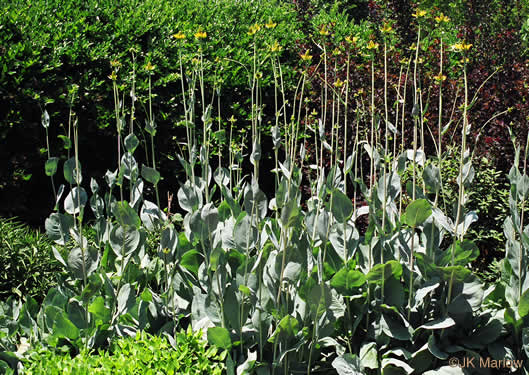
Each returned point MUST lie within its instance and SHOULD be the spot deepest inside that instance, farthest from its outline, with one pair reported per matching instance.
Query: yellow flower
(115, 64)
(439, 78)
(336, 52)
(149, 67)
(419, 13)
(442, 18)
(232, 119)
(458, 47)
(200, 34)
(113, 76)
(404, 61)
(270, 24)
(324, 31)
(412, 47)
(275, 47)
(258, 75)
(386, 29)
(179, 36)
(338, 83)
(306, 56)
(351, 39)
(254, 29)
(464, 60)
(372, 45)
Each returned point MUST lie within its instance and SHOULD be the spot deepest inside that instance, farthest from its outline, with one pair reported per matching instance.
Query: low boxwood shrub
(27, 265)
(186, 353)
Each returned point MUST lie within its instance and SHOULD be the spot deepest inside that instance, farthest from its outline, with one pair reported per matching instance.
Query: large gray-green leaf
(432, 178)
(438, 324)
(417, 212)
(341, 206)
(75, 200)
(348, 364)
(255, 202)
(189, 197)
(71, 174)
(523, 306)
(386, 362)
(76, 264)
(369, 355)
(151, 216)
(434, 348)
(126, 299)
(347, 281)
(126, 215)
(129, 166)
(210, 217)
(244, 233)
(124, 240)
(58, 227)
(150, 174)
(219, 337)
(50, 168)
(131, 143)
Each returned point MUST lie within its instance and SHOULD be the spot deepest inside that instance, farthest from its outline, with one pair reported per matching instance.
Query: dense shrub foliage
(27, 266)
(186, 353)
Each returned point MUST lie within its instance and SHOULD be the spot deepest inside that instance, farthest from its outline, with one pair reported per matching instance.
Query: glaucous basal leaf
(75, 200)
(219, 337)
(348, 364)
(63, 327)
(189, 197)
(446, 370)
(80, 268)
(136, 194)
(442, 323)
(58, 227)
(244, 233)
(125, 215)
(255, 156)
(50, 168)
(124, 240)
(341, 206)
(126, 299)
(368, 355)
(222, 177)
(386, 270)
(417, 212)
(131, 143)
(100, 313)
(129, 166)
(255, 202)
(210, 217)
(347, 281)
(97, 205)
(432, 178)
(71, 174)
(150, 174)
(523, 306)
(151, 216)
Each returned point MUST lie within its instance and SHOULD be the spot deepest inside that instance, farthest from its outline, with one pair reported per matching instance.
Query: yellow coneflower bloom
(439, 78)
(372, 45)
(113, 76)
(275, 47)
(351, 39)
(324, 31)
(115, 64)
(419, 13)
(200, 34)
(442, 18)
(254, 29)
(386, 29)
(458, 47)
(149, 67)
(306, 56)
(179, 36)
(338, 83)
(270, 24)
